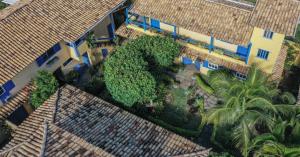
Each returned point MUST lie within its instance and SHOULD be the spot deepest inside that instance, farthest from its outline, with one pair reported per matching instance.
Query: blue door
(104, 53)
(198, 65)
(155, 24)
(187, 61)
(85, 59)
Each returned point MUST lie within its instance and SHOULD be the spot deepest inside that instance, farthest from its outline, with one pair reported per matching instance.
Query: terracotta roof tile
(31, 27)
(228, 22)
(81, 123)
(202, 16)
(279, 16)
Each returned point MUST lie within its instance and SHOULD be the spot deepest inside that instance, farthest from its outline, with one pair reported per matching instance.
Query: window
(263, 54)
(67, 62)
(47, 55)
(213, 66)
(2, 90)
(240, 76)
(268, 34)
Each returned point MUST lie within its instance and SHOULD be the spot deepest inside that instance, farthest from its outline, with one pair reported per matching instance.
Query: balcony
(145, 25)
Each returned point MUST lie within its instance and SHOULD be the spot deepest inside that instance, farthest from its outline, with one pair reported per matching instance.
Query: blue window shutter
(41, 60)
(104, 53)
(242, 51)
(56, 47)
(187, 61)
(8, 86)
(205, 64)
(155, 23)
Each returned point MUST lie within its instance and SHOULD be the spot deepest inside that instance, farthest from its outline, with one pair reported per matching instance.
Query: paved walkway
(187, 79)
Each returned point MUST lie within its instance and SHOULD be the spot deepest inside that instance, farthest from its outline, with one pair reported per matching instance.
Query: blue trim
(175, 32)
(126, 17)
(211, 46)
(249, 51)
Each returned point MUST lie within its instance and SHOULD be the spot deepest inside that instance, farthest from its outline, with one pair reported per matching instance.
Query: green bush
(46, 85)
(128, 70)
(223, 154)
(2, 5)
(72, 77)
(5, 133)
(95, 85)
(203, 85)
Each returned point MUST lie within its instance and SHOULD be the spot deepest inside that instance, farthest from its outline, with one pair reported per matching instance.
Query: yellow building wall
(26, 75)
(199, 37)
(273, 45)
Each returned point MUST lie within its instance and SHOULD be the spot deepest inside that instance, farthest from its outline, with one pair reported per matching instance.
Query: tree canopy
(127, 71)
(46, 85)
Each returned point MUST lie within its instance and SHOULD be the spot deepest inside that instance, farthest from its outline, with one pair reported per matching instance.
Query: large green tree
(46, 85)
(128, 71)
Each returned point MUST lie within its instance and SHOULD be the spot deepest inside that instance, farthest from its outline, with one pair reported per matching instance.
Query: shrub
(203, 85)
(127, 71)
(72, 77)
(46, 85)
(95, 85)
(5, 133)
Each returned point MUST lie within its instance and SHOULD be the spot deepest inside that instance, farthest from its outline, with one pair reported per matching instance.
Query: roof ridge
(30, 138)
(13, 8)
(203, 152)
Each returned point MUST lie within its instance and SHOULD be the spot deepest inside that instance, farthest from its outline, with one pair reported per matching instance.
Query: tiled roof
(79, 123)
(31, 27)
(229, 23)
(15, 102)
(279, 16)
(279, 65)
(202, 16)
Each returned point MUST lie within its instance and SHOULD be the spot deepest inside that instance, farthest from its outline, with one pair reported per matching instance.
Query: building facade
(221, 35)
(47, 35)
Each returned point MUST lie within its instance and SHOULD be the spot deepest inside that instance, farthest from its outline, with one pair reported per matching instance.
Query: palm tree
(247, 106)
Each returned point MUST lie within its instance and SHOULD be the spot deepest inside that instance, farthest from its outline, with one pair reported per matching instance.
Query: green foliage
(5, 133)
(203, 85)
(2, 5)
(248, 108)
(95, 85)
(223, 154)
(128, 70)
(178, 130)
(298, 34)
(46, 85)
(91, 41)
(72, 77)
(293, 53)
